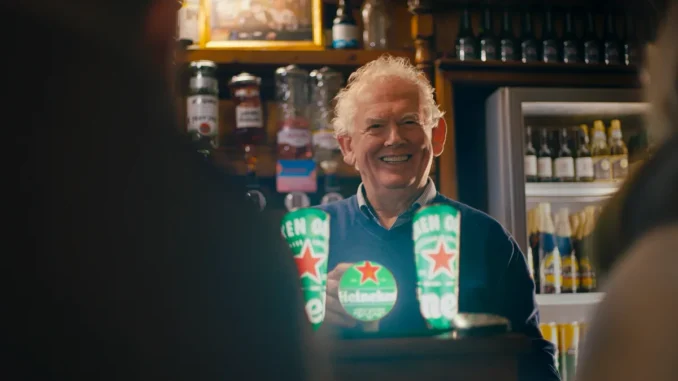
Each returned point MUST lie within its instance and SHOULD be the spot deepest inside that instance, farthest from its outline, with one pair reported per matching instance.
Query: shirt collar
(429, 193)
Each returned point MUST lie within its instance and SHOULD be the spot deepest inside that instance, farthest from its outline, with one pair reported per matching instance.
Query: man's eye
(371, 126)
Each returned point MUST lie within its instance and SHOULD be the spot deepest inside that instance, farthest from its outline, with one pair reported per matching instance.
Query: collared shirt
(427, 196)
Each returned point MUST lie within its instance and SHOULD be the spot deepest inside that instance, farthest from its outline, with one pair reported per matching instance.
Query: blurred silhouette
(127, 256)
(633, 333)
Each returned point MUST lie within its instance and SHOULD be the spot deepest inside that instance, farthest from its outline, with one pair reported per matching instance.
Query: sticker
(368, 291)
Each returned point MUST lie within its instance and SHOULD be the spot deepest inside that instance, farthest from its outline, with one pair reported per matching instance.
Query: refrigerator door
(506, 110)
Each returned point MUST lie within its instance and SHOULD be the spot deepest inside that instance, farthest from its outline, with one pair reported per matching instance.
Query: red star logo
(367, 272)
(307, 263)
(440, 259)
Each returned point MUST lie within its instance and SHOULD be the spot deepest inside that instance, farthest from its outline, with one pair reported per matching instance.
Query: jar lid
(291, 70)
(245, 78)
(203, 63)
(324, 75)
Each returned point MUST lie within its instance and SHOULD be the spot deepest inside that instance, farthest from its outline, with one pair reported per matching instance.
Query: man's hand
(335, 315)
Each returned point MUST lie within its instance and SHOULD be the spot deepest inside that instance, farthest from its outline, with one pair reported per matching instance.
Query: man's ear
(438, 135)
(346, 149)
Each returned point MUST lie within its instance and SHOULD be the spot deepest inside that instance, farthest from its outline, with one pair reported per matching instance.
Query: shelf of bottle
(231, 159)
(571, 190)
(569, 299)
(453, 64)
(303, 57)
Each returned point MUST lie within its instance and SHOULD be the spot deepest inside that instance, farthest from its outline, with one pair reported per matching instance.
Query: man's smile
(395, 159)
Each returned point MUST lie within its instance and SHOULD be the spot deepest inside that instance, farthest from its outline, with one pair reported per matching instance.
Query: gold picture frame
(224, 24)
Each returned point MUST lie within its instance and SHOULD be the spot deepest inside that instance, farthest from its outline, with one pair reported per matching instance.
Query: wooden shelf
(279, 57)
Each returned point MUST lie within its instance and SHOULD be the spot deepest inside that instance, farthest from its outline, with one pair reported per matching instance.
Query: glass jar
(249, 115)
(202, 105)
(294, 134)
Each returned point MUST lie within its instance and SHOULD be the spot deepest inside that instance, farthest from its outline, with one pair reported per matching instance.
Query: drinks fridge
(554, 157)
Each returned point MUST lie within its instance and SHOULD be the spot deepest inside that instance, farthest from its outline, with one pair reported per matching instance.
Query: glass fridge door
(562, 183)
(509, 111)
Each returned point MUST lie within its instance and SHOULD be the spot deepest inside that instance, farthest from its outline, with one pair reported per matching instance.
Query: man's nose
(394, 135)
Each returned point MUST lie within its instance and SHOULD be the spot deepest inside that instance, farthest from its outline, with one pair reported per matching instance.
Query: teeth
(395, 159)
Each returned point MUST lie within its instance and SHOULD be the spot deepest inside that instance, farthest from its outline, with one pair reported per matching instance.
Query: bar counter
(430, 358)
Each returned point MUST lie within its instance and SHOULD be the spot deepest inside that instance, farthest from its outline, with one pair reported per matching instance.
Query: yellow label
(551, 275)
(570, 273)
(619, 165)
(602, 168)
(586, 275)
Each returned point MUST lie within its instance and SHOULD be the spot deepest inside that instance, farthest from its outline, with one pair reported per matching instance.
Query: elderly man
(390, 128)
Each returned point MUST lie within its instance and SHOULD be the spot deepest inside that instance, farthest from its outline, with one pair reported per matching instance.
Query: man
(127, 257)
(389, 128)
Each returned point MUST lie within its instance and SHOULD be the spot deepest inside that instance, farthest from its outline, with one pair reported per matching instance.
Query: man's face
(388, 144)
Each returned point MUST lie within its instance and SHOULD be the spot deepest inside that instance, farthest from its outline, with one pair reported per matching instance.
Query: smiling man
(390, 128)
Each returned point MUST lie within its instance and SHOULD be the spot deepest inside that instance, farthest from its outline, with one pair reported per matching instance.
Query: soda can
(436, 234)
(568, 339)
(307, 232)
(550, 333)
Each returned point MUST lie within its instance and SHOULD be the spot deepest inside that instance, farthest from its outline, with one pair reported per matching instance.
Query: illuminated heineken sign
(368, 291)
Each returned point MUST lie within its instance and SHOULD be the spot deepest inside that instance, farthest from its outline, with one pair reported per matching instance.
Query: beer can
(550, 333)
(568, 339)
(307, 232)
(436, 235)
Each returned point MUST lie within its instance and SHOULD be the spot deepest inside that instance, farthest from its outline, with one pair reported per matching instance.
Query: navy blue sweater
(494, 276)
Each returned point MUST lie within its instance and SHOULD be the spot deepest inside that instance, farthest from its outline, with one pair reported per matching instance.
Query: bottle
(530, 158)
(550, 270)
(550, 44)
(344, 27)
(326, 83)
(528, 41)
(619, 154)
(294, 132)
(202, 106)
(611, 45)
(568, 261)
(376, 23)
(587, 275)
(530, 255)
(600, 152)
(534, 239)
(564, 162)
(187, 19)
(249, 116)
(488, 42)
(544, 158)
(591, 43)
(571, 47)
(631, 55)
(465, 45)
(583, 163)
(507, 43)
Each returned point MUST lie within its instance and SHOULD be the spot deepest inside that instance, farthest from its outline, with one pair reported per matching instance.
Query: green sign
(368, 291)
(435, 232)
(307, 232)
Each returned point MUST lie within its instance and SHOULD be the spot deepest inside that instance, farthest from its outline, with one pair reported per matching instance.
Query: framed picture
(262, 24)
